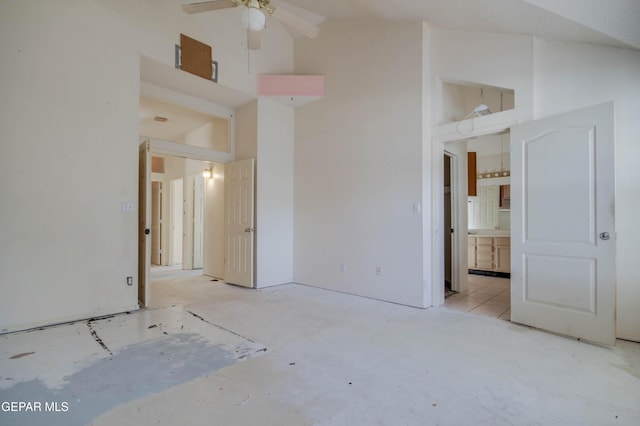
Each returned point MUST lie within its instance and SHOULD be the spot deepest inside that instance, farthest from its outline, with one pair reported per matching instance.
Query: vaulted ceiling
(605, 22)
(613, 23)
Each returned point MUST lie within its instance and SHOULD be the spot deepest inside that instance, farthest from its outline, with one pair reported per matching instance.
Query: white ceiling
(605, 22)
(180, 121)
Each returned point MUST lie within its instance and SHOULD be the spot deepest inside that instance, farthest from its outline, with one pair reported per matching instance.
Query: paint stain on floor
(22, 355)
(133, 372)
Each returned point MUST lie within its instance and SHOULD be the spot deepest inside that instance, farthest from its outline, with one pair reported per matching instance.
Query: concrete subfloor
(211, 353)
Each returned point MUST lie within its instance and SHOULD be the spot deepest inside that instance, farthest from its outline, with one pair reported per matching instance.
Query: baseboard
(490, 273)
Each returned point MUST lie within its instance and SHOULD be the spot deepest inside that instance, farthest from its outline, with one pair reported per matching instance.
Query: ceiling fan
(254, 17)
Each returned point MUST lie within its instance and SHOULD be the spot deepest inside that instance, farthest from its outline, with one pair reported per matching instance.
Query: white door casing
(459, 191)
(144, 223)
(239, 222)
(562, 224)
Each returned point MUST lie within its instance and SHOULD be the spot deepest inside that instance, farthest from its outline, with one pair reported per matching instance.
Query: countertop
(490, 232)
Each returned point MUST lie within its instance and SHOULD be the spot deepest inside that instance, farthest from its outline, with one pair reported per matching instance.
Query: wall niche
(461, 101)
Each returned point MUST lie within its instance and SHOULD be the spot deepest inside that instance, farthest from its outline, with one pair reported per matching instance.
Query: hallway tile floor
(486, 296)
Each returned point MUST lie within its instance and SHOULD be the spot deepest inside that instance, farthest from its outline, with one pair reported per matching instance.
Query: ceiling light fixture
(253, 18)
(481, 109)
(207, 173)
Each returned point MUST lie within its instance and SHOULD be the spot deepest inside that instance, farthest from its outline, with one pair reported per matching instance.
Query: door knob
(605, 236)
(249, 230)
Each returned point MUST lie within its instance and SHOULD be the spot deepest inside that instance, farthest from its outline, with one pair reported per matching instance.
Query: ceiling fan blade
(254, 39)
(296, 23)
(205, 6)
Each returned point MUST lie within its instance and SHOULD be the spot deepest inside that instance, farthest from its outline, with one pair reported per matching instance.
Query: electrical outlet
(129, 280)
(379, 271)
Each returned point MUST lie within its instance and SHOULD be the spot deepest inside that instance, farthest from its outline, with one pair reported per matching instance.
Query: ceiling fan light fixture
(253, 19)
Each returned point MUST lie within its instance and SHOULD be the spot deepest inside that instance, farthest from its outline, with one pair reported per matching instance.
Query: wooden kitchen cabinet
(502, 254)
(472, 170)
(472, 252)
(484, 253)
(487, 253)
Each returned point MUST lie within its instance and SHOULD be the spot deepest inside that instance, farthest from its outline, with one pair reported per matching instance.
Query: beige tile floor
(487, 296)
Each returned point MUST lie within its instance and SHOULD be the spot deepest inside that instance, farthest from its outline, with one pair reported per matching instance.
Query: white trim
(474, 127)
(489, 124)
(188, 151)
(454, 164)
(150, 90)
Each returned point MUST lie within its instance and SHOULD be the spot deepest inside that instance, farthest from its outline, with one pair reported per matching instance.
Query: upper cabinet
(505, 197)
(471, 174)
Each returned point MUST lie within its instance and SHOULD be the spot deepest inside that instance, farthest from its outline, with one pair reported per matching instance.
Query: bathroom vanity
(490, 251)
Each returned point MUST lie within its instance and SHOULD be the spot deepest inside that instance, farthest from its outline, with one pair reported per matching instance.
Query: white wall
(212, 135)
(572, 76)
(158, 25)
(485, 59)
(274, 194)
(552, 78)
(492, 151)
(70, 93)
(69, 99)
(264, 131)
(358, 161)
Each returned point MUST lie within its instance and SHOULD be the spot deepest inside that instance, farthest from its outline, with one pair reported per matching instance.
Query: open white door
(239, 222)
(562, 224)
(157, 217)
(144, 224)
(198, 222)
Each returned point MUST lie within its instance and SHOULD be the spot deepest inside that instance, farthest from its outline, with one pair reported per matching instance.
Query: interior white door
(177, 210)
(562, 224)
(198, 222)
(144, 224)
(239, 222)
(156, 223)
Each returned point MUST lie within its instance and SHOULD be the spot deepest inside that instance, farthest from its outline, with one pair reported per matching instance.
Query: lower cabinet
(490, 253)
(502, 253)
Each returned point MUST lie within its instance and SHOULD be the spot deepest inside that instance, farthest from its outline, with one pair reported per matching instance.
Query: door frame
(160, 147)
(439, 148)
(454, 191)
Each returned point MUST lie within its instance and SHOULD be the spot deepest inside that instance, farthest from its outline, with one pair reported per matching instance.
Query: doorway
(158, 240)
(562, 215)
(448, 226)
(193, 208)
(175, 220)
(482, 234)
